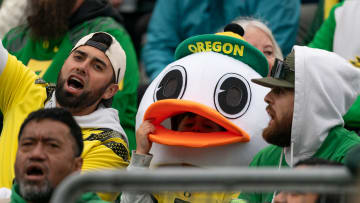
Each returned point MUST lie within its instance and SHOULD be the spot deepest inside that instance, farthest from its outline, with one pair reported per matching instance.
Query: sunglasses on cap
(280, 70)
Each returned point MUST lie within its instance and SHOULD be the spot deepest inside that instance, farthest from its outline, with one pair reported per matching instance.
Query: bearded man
(54, 26)
(310, 93)
(86, 85)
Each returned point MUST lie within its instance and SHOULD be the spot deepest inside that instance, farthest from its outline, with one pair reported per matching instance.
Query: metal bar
(321, 180)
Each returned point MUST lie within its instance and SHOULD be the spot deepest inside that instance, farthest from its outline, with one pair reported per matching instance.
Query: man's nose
(38, 152)
(267, 98)
(83, 67)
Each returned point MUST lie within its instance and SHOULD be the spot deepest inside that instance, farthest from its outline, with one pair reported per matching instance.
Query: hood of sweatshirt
(102, 117)
(326, 85)
(94, 8)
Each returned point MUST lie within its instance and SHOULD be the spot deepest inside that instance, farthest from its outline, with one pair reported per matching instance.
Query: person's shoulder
(17, 31)
(16, 38)
(271, 149)
(107, 138)
(90, 197)
(337, 144)
(98, 24)
(102, 134)
(342, 134)
(106, 22)
(269, 156)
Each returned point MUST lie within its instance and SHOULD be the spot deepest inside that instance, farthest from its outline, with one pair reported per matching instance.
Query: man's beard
(49, 19)
(280, 132)
(36, 193)
(76, 103)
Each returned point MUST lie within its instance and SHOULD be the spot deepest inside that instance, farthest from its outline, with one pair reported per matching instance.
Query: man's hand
(143, 144)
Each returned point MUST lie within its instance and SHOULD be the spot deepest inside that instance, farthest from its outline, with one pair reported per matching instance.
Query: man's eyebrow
(26, 138)
(100, 61)
(46, 139)
(95, 58)
(80, 52)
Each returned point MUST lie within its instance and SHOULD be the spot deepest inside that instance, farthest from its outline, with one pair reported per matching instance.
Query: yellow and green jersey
(199, 197)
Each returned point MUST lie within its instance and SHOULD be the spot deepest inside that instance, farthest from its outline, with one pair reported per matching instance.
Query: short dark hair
(61, 115)
(328, 198)
(313, 161)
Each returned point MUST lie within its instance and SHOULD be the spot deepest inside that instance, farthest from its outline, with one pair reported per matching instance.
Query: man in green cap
(310, 93)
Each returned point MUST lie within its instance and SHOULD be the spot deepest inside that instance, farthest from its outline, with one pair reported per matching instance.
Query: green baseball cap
(228, 43)
(282, 74)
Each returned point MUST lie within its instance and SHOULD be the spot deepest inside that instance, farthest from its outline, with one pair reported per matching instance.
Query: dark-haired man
(51, 31)
(49, 149)
(310, 93)
(86, 85)
(309, 197)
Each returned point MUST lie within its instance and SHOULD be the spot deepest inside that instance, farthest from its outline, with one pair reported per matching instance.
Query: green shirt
(87, 197)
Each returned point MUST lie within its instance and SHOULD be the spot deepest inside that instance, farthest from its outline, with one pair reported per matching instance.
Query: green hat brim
(240, 50)
(272, 82)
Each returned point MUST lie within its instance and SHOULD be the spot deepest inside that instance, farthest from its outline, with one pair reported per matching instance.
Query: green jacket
(324, 39)
(324, 36)
(334, 148)
(47, 57)
(87, 197)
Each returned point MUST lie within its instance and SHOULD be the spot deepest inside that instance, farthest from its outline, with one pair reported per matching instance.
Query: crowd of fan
(70, 85)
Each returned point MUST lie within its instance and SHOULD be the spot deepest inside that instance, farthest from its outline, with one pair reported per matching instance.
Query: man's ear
(110, 91)
(78, 162)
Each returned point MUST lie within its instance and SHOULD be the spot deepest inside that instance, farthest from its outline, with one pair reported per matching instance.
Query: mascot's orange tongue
(163, 109)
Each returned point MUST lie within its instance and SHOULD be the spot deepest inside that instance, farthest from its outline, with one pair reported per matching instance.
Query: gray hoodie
(326, 85)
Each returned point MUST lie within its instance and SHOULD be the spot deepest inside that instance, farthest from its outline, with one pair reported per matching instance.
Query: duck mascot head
(211, 77)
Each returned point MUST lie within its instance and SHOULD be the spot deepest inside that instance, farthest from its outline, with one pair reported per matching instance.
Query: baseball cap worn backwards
(282, 74)
(112, 49)
(229, 43)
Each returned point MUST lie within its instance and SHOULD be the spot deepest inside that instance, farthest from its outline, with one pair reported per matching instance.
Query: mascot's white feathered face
(215, 86)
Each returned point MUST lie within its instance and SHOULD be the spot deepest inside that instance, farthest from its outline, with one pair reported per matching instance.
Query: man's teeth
(73, 78)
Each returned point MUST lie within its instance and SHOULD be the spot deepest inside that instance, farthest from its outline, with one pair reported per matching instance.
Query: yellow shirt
(200, 197)
(19, 95)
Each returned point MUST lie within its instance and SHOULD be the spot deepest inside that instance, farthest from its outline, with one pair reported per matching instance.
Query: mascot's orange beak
(163, 109)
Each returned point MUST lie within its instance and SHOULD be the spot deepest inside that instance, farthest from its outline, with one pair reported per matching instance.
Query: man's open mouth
(34, 173)
(270, 112)
(75, 83)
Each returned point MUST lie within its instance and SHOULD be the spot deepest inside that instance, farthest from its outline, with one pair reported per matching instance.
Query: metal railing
(319, 180)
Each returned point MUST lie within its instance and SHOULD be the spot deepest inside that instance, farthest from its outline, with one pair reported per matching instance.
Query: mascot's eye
(232, 95)
(172, 85)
